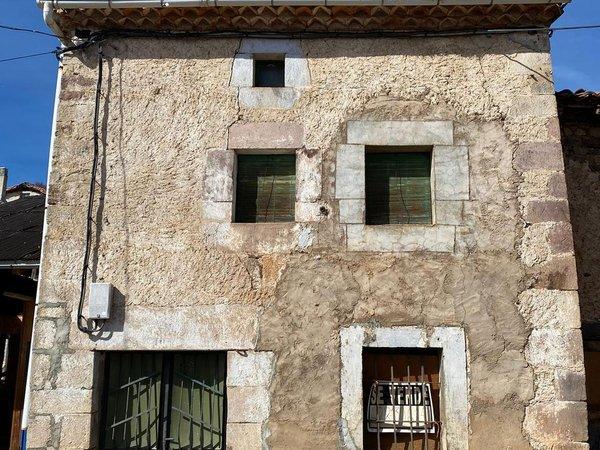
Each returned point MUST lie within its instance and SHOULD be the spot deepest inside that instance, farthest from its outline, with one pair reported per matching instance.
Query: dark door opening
(164, 401)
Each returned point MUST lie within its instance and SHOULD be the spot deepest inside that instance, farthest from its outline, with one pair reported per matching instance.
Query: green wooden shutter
(132, 400)
(198, 401)
(398, 188)
(266, 188)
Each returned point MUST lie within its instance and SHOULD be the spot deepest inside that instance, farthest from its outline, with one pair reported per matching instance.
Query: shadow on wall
(191, 48)
(580, 131)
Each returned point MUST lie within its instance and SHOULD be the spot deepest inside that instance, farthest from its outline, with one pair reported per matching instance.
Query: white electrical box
(100, 300)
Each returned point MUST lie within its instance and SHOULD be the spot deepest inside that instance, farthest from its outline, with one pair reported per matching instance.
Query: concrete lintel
(453, 374)
(400, 133)
(266, 135)
(266, 97)
(199, 327)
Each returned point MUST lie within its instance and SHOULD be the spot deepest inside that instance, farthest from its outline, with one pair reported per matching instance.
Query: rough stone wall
(510, 281)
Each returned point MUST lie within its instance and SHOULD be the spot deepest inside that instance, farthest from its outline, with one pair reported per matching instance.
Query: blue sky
(27, 86)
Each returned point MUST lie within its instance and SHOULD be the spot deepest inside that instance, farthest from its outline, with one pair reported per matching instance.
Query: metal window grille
(401, 409)
(164, 401)
(398, 187)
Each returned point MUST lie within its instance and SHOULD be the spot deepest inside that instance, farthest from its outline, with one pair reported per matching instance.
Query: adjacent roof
(21, 223)
(40, 189)
(580, 106)
(306, 15)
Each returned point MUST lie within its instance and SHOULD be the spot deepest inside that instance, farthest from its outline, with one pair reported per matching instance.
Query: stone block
(400, 133)
(560, 238)
(217, 211)
(250, 368)
(530, 63)
(569, 385)
(546, 211)
(242, 72)
(266, 135)
(350, 172)
(61, 401)
(39, 431)
(451, 171)
(549, 348)
(76, 370)
(288, 47)
(215, 327)
(297, 73)
(394, 238)
(545, 308)
(534, 106)
(244, 436)
(268, 97)
(248, 404)
(448, 212)
(352, 211)
(557, 186)
(558, 272)
(308, 175)
(40, 370)
(75, 431)
(556, 422)
(539, 156)
(44, 334)
(218, 178)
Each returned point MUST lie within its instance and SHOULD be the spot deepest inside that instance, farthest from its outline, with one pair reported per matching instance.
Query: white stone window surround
(297, 75)
(261, 138)
(453, 377)
(450, 183)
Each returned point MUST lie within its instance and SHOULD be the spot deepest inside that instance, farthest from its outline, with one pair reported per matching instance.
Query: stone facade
(497, 264)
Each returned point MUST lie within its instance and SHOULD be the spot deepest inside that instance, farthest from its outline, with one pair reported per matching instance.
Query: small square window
(265, 188)
(269, 71)
(397, 187)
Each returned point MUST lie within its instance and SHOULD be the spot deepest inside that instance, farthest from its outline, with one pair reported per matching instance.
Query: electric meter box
(100, 300)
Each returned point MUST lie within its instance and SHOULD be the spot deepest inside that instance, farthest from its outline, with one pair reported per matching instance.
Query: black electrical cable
(81, 320)
(98, 37)
(28, 56)
(27, 30)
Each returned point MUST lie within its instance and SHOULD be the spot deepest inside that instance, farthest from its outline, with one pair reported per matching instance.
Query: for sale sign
(400, 406)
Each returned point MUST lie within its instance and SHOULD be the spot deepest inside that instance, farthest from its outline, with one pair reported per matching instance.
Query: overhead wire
(103, 35)
(27, 30)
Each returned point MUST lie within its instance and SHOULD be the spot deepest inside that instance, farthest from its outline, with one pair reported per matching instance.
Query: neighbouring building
(313, 225)
(21, 223)
(579, 115)
(22, 190)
